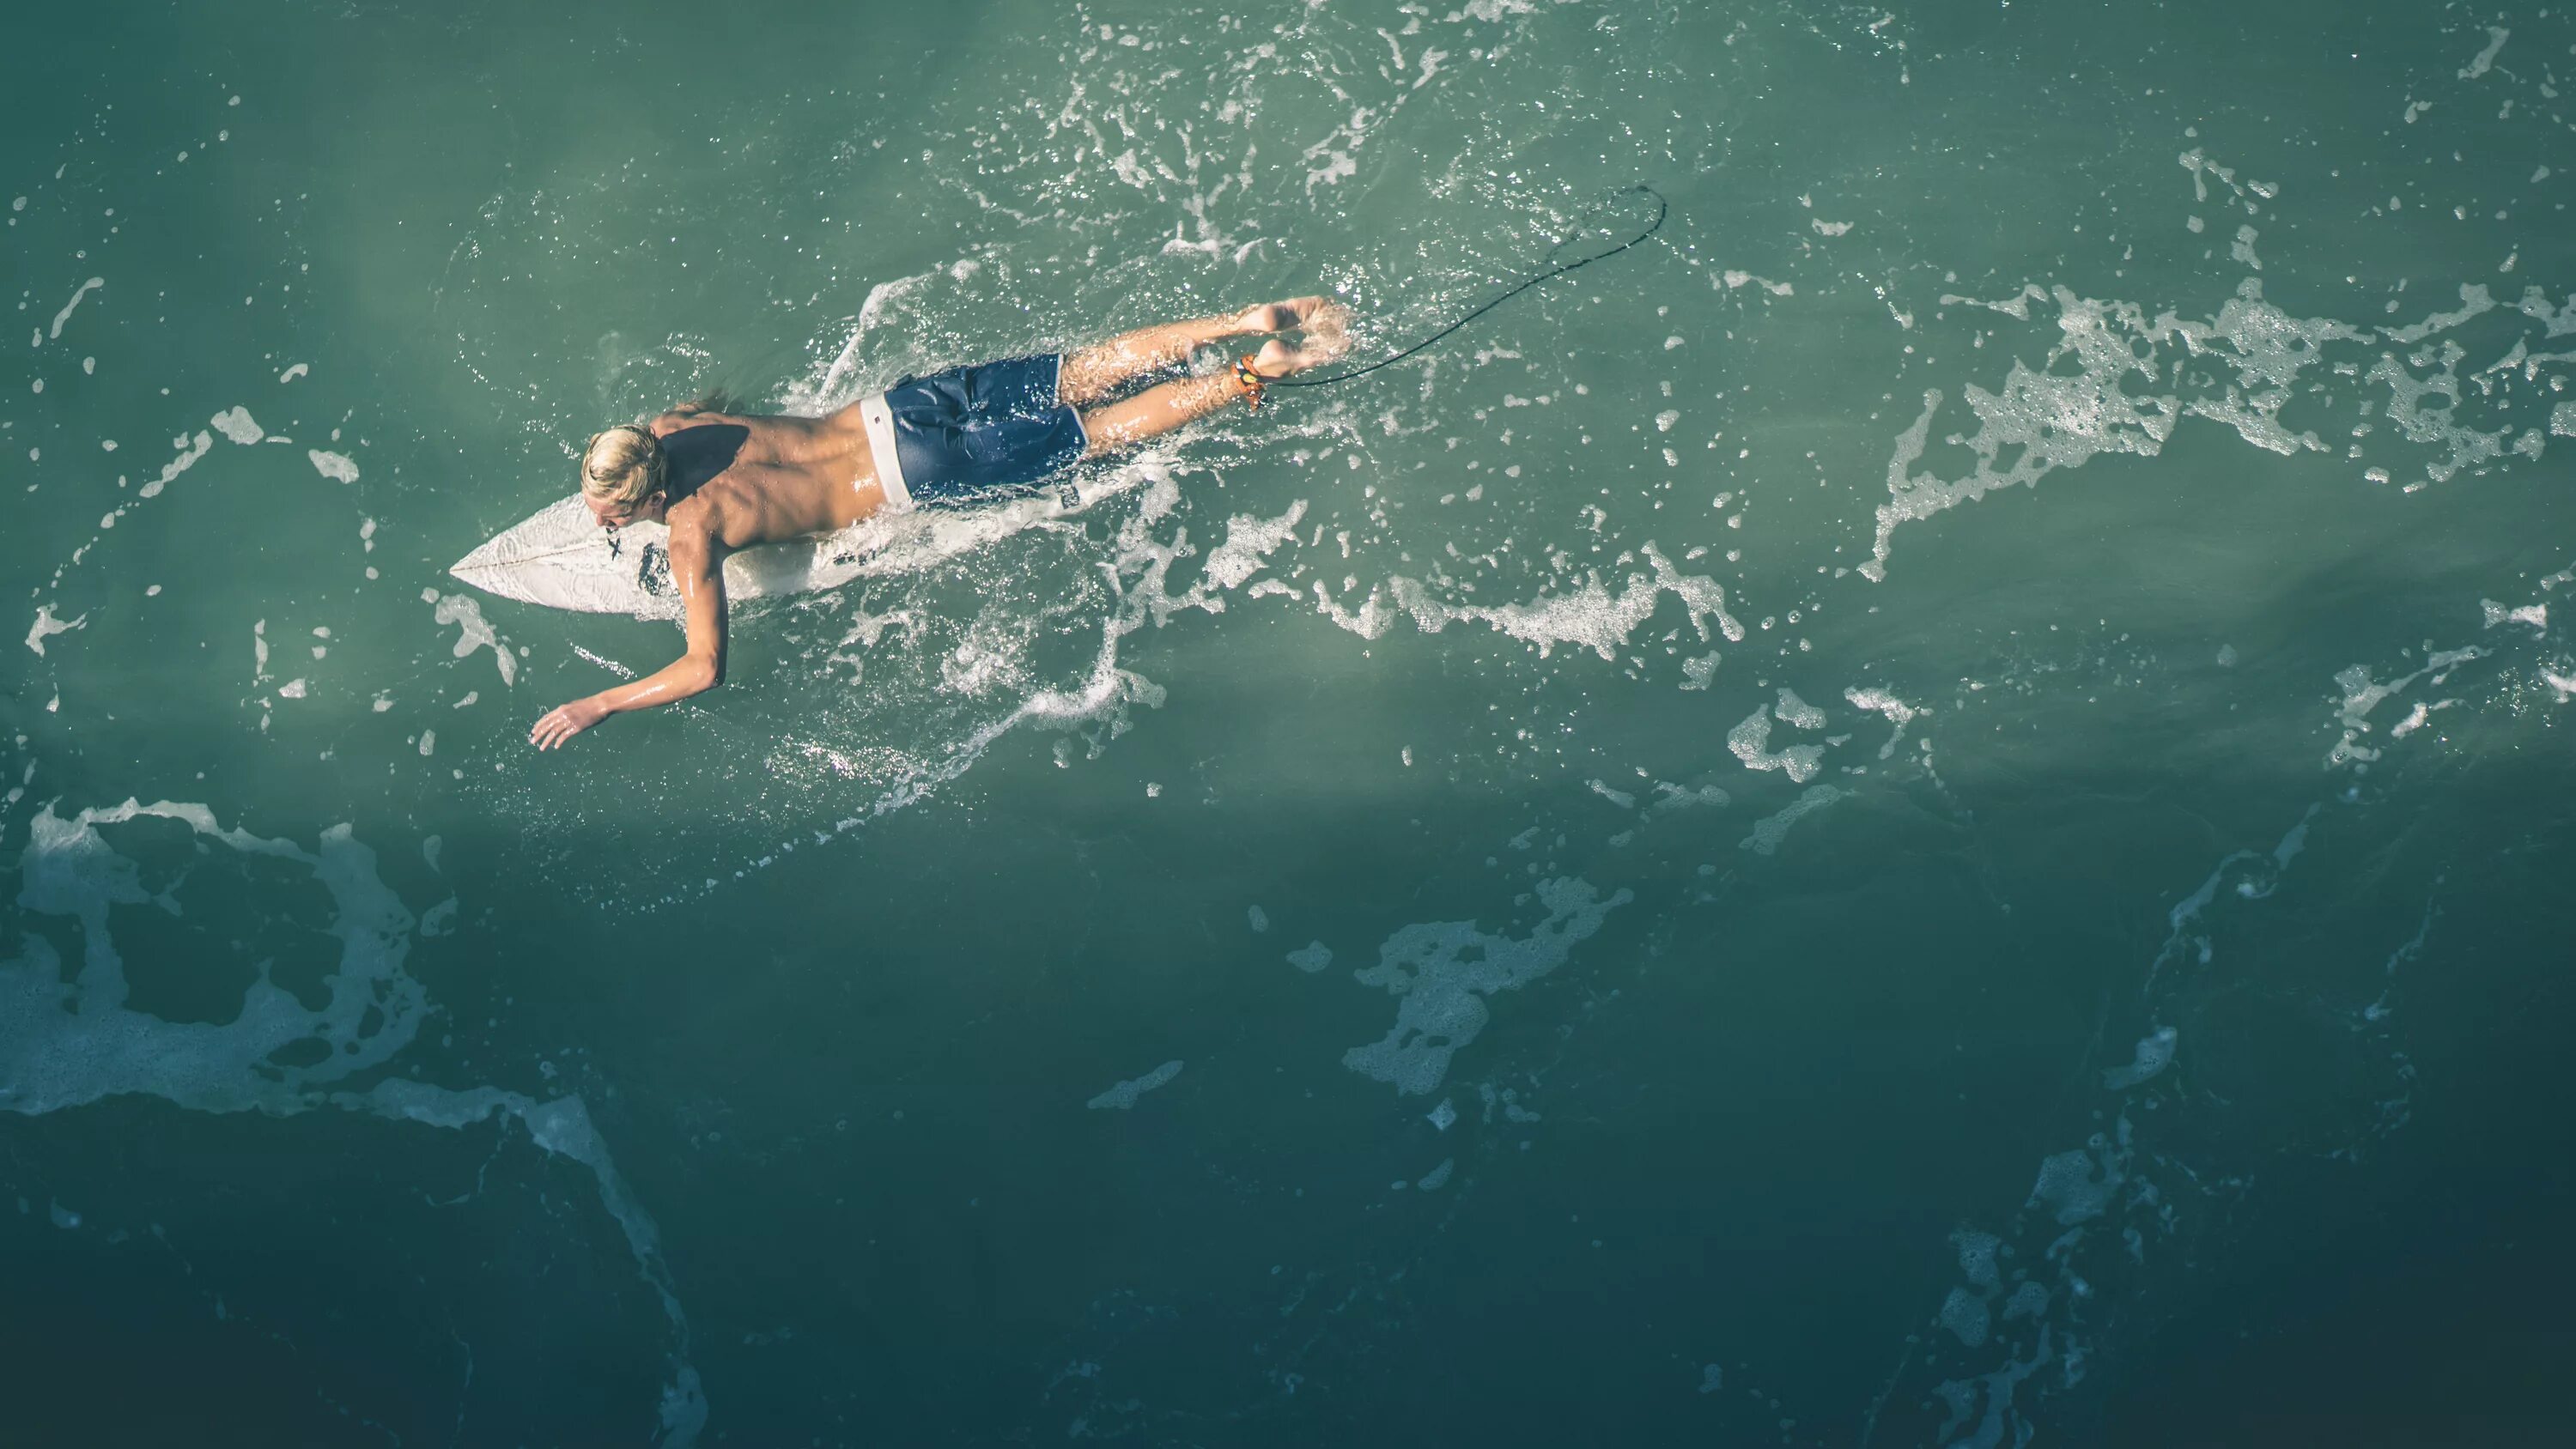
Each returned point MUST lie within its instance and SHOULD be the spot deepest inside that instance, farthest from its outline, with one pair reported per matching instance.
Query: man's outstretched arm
(697, 565)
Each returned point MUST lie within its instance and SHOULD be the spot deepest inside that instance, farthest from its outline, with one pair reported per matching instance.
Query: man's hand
(562, 724)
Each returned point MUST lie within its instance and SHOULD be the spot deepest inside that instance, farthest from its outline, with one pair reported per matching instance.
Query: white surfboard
(560, 557)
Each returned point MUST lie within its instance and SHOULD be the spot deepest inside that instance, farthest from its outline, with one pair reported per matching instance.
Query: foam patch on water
(473, 631)
(1122, 1097)
(1591, 617)
(1966, 1317)
(1750, 742)
(2362, 694)
(69, 1041)
(65, 315)
(1897, 712)
(2078, 404)
(2535, 615)
(1771, 830)
(1796, 712)
(237, 425)
(2484, 60)
(47, 625)
(2154, 1053)
(1442, 972)
(2078, 1186)
(1620, 798)
(190, 451)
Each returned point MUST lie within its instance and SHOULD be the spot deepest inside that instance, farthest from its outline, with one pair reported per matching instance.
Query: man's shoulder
(695, 521)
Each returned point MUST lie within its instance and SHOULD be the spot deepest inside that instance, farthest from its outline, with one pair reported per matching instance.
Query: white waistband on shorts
(889, 467)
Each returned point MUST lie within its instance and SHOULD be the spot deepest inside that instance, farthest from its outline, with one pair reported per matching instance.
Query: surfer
(723, 481)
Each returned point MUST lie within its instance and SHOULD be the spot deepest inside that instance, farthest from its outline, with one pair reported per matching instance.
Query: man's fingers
(550, 731)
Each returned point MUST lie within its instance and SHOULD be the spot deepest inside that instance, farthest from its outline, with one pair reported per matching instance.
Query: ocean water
(1931, 810)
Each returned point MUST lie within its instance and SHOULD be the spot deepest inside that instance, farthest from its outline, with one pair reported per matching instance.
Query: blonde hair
(623, 465)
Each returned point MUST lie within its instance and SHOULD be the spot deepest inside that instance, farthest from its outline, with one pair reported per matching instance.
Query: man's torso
(751, 480)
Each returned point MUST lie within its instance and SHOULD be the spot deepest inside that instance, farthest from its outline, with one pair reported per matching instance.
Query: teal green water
(1931, 810)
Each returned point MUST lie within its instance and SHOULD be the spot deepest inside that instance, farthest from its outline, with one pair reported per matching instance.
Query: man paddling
(724, 482)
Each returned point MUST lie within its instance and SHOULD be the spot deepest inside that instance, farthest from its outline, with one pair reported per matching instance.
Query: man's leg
(1095, 372)
(1155, 411)
(1158, 410)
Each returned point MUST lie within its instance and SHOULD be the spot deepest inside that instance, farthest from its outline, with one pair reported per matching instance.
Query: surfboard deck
(561, 558)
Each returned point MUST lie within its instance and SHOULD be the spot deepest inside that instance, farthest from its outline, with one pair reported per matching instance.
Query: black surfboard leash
(1555, 269)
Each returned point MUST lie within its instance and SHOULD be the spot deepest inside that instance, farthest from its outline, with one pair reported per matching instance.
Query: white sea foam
(2243, 249)
(474, 633)
(1122, 1097)
(2078, 1186)
(1977, 1256)
(2557, 321)
(1442, 971)
(237, 425)
(1967, 1317)
(1750, 742)
(2058, 416)
(2484, 60)
(2154, 1053)
(1772, 829)
(1670, 797)
(2016, 306)
(1794, 711)
(1897, 711)
(2363, 694)
(65, 315)
(190, 450)
(1590, 617)
(47, 625)
(1312, 957)
(2536, 615)
(1731, 280)
(2474, 302)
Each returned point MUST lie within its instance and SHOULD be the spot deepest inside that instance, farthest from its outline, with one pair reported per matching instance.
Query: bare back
(741, 480)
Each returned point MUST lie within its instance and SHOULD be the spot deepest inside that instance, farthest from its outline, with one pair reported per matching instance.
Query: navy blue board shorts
(971, 433)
